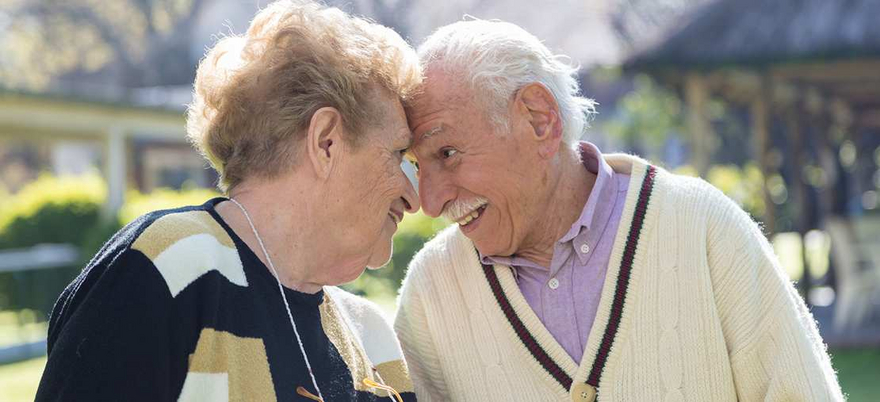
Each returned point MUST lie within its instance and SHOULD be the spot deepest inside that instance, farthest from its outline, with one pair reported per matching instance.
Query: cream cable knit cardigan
(695, 307)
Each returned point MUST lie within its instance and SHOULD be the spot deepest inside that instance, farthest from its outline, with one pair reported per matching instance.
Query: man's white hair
(495, 59)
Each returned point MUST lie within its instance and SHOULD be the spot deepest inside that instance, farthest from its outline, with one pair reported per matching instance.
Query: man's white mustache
(457, 209)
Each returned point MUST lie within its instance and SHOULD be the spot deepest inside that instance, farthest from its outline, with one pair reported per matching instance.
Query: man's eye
(448, 152)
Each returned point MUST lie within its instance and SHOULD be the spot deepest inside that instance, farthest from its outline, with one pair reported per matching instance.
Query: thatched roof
(761, 32)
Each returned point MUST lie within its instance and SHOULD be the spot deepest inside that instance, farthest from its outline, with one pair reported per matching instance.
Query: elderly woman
(234, 299)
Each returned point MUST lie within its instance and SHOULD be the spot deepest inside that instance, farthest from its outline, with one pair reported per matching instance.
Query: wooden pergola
(807, 63)
(27, 116)
(807, 72)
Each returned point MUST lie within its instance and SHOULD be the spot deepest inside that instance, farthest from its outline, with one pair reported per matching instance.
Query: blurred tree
(43, 39)
(645, 117)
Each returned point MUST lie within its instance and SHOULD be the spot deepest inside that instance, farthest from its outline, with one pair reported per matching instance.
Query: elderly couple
(570, 274)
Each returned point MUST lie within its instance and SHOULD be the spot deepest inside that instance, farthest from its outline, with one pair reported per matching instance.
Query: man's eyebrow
(432, 132)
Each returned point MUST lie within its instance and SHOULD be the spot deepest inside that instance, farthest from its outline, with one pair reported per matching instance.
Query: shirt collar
(593, 161)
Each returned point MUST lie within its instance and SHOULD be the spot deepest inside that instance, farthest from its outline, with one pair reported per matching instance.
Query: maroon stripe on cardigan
(616, 305)
(523, 333)
(629, 253)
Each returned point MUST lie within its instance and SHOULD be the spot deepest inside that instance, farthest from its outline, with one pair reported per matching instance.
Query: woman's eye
(448, 152)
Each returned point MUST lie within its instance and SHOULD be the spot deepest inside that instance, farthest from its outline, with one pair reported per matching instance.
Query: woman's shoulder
(366, 316)
(369, 323)
(356, 307)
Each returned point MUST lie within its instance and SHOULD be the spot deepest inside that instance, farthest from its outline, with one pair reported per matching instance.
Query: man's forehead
(439, 91)
(427, 103)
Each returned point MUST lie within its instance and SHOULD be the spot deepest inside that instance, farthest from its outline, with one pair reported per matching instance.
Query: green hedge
(49, 210)
(68, 210)
(52, 210)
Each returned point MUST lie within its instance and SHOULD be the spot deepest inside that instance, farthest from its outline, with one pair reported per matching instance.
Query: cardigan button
(582, 392)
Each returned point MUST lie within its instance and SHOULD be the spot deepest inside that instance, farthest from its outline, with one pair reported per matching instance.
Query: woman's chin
(379, 265)
(380, 259)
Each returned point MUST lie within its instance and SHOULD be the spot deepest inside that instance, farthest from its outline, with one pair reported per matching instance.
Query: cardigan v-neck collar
(609, 322)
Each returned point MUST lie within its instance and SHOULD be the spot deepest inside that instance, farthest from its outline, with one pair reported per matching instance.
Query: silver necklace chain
(283, 296)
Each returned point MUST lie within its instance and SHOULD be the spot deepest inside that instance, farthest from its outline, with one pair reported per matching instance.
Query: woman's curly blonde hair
(255, 94)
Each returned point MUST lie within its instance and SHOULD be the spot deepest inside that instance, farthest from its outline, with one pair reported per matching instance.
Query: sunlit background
(776, 102)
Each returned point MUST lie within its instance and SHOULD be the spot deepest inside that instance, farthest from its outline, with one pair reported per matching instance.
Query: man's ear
(324, 143)
(538, 105)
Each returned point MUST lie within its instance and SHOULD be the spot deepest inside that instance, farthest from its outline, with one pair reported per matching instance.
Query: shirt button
(554, 283)
(585, 248)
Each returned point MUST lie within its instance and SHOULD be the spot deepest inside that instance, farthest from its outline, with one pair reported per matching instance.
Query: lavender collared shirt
(565, 295)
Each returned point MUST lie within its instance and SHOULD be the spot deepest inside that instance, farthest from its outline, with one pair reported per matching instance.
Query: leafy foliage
(49, 210)
(52, 210)
(646, 117)
(45, 39)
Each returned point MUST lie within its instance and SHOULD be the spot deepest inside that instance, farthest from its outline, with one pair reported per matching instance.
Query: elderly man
(576, 275)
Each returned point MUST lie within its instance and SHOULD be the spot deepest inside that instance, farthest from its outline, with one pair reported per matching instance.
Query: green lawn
(858, 369)
(859, 373)
(18, 381)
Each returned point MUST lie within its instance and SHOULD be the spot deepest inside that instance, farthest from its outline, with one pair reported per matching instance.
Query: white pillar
(115, 170)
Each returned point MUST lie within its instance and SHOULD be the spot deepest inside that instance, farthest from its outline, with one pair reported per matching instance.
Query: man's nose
(434, 192)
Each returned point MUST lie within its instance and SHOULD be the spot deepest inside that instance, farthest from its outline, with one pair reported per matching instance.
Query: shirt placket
(557, 295)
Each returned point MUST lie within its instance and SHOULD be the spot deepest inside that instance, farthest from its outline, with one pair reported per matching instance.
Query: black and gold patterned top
(176, 307)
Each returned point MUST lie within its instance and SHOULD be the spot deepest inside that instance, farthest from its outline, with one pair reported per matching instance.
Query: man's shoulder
(692, 190)
(450, 238)
(695, 196)
(447, 250)
(665, 182)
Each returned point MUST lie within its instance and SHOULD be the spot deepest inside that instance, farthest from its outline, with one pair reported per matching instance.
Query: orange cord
(391, 391)
(303, 392)
(368, 382)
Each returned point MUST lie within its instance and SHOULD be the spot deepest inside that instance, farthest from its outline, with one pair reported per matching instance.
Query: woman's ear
(324, 143)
